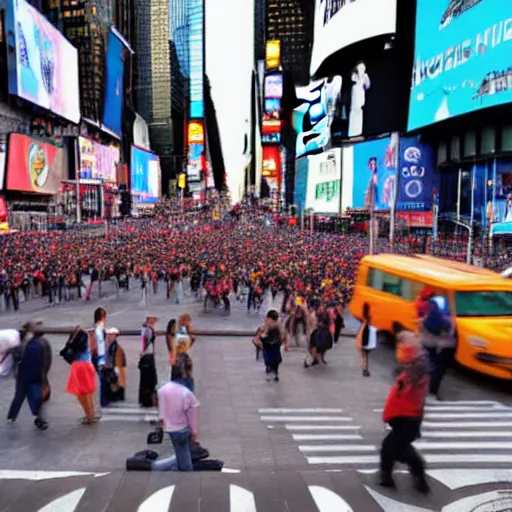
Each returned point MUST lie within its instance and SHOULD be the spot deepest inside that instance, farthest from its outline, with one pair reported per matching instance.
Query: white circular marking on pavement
(487, 502)
(159, 501)
(390, 505)
(66, 503)
(327, 500)
(457, 478)
(241, 500)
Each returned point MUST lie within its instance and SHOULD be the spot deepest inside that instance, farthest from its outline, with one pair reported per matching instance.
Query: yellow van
(482, 303)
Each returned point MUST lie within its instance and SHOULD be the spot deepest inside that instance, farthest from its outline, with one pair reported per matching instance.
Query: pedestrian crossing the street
(460, 433)
(128, 412)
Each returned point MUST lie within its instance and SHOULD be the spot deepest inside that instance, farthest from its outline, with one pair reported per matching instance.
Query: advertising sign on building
(3, 160)
(98, 161)
(140, 133)
(145, 185)
(340, 23)
(323, 193)
(462, 59)
(273, 54)
(43, 68)
(35, 166)
(416, 178)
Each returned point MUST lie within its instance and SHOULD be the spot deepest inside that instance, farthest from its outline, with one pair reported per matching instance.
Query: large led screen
(196, 56)
(340, 23)
(145, 176)
(375, 169)
(324, 182)
(3, 159)
(34, 166)
(113, 107)
(97, 161)
(43, 69)
(463, 58)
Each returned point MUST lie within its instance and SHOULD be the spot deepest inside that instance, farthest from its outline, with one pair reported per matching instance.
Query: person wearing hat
(35, 360)
(116, 359)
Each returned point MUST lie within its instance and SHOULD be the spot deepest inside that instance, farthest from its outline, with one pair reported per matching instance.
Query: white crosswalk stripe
(128, 412)
(469, 433)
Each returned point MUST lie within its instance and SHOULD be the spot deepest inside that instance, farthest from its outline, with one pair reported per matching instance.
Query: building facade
(153, 87)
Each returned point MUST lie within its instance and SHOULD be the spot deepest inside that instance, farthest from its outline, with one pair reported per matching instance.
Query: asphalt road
(307, 443)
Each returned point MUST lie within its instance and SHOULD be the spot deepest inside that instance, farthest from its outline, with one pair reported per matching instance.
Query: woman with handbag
(82, 380)
(366, 339)
(147, 367)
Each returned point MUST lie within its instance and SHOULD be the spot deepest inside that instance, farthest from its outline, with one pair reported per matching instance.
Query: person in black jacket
(32, 375)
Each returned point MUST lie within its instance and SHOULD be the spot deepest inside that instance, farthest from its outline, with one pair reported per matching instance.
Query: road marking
(457, 478)
(326, 437)
(337, 448)
(36, 476)
(123, 410)
(321, 427)
(434, 434)
(460, 408)
(427, 445)
(496, 458)
(159, 501)
(66, 503)
(433, 401)
(327, 500)
(299, 411)
(241, 500)
(500, 499)
(469, 415)
(390, 505)
(305, 418)
(463, 424)
(358, 459)
(129, 418)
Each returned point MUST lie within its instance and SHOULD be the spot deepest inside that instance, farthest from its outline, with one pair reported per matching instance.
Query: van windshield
(483, 303)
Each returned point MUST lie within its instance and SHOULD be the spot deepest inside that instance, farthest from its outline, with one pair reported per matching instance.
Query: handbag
(68, 353)
(46, 393)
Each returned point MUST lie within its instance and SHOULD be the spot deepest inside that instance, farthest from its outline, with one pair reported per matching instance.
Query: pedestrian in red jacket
(404, 413)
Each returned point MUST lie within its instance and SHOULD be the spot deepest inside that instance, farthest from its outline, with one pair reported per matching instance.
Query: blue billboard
(113, 105)
(375, 166)
(196, 56)
(417, 175)
(463, 58)
(301, 182)
(145, 176)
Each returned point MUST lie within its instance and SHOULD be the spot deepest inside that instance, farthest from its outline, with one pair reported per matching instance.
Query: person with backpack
(82, 380)
(34, 363)
(269, 339)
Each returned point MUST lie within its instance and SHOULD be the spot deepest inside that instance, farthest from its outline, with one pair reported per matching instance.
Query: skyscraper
(291, 22)
(153, 89)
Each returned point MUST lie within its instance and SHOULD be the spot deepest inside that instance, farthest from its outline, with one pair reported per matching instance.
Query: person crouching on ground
(270, 338)
(404, 413)
(178, 413)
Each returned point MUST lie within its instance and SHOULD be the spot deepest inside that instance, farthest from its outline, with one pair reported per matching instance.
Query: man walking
(32, 375)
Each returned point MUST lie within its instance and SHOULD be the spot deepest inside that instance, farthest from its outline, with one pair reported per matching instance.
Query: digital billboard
(35, 166)
(113, 107)
(340, 23)
(324, 182)
(145, 183)
(301, 182)
(462, 59)
(375, 173)
(272, 168)
(196, 56)
(416, 175)
(196, 162)
(274, 86)
(98, 161)
(3, 160)
(43, 69)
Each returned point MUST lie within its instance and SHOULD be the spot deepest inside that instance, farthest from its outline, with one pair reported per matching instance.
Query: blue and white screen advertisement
(113, 107)
(195, 162)
(375, 166)
(417, 175)
(301, 182)
(43, 69)
(196, 56)
(313, 119)
(463, 58)
(145, 176)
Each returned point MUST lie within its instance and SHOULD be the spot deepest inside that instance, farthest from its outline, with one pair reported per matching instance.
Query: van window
(487, 303)
(390, 283)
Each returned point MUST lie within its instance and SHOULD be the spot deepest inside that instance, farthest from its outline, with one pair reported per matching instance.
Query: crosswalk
(467, 433)
(128, 412)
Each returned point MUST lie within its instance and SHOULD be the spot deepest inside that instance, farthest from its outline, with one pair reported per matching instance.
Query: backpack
(76, 344)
